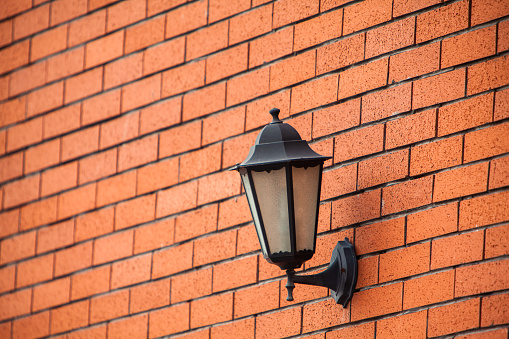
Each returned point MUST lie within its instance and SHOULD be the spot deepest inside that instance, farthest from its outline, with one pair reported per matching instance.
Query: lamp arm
(340, 277)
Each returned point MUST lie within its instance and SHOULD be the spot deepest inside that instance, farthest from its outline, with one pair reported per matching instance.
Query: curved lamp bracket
(340, 277)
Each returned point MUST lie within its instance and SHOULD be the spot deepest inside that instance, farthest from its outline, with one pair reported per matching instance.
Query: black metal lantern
(282, 177)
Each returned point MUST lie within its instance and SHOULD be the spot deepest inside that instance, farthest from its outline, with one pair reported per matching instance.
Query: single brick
(123, 70)
(90, 282)
(138, 152)
(6, 28)
(287, 11)
(65, 64)
(439, 88)
(113, 247)
(367, 271)
(125, 13)
(97, 166)
(172, 260)
(247, 240)
(461, 181)
(410, 129)
(14, 56)
(69, 317)
(219, 9)
(494, 310)
(357, 208)
(247, 86)
(120, 130)
(144, 34)
(415, 62)
(31, 22)
(496, 241)
(183, 78)
(317, 30)
(158, 6)
(186, 18)
(432, 222)
(227, 63)
(237, 148)
(164, 55)
(410, 324)
(131, 271)
(366, 330)
(154, 236)
(483, 210)
(488, 75)
(376, 301)
(7, 278)
(218, 186)
(156, 176)
(51, 294)
(24, 134)
(233, 212)
(315, 93)
(256, 299)
(49, 42)
(380, 236)
(83, 85)
(76, 201)
(73, 259)
(363, 78)
(59, 179)
(292, 70)
(87, 28)
(42, 155)
(428, 289)
(479, 43)
(167, 204)
(215, 247)
(383, 39)
(404, 262)
(27, 78)
(141, 93)
(339, 181)
(62, 11)
(224, 125)
(500, 333)
(442, 21)
(405, 6)
(250, 24)
(94, 224)
(501, 102)
(134, 326)
(323, 314)
(459, 249)
(191, 285)
(336, 118)
(11, 166)
(455, 317)
(135, 211)
(109, 306)
(102, 106)
(204, 101)
(36, 214)
(150, 296)
(21, 191)
(204, 219)
(366, 14)
(486, 142)
(12, 111)
(483, 11)
(499, 172)
(242, 328)
(235, 274)
(162, 114)
(407, 195)
(35, 326)
(117, 188)
(104, 49)
(15, 304)
(383, 169)
(207, 40)
(211, 310)
(436, 155)
(55, 236)
(61, 121)
(357, 143)
(9, 222)
(13, 8)
(35, 270)
(481, 278)
(201, 162)
(270, 47)
(503, 40)
(169, 320)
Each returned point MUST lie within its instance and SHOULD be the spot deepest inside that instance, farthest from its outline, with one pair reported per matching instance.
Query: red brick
(336, 118)
(123, 70)
(14, 56)
(113, 247)
(270, 47)
(7, 278)
(286, 11)
(304, 293)
(59, 179)
(380, 236)
(94, 224)
(256, 299)
(494, 334)
(265, 270)
(31, 22)
(13, 8)
(325, 244)
(9, 222)
(428, 289)
(235, 274)
(119, 130)
(24, 134)
(5, 329)
(366, 14)
(90, 282)
(324, 217)
(76, 201)
(354, 209)
(69, 317)
(376, 301)
(186, 18)
(367, 271)
(21, 191)
(412, 325)
(3, 140)
(361, 331)
(136, 211)
(109, 306)
(61, 121)
(167, 204)
(51, 294)
(414, 62)
(83, 85)
(436, 155)
(501, 102)
(496, 241)
(486, 142)
(15, 304)
(117, 188)
(251, 24)
(131, 271)
(12, 111)
(483, 11)
(407, 6)
(488, 75)
(207, 40)
(156, 176)
(184, 78)
(158, 6)
(198, 163)
(150, 296)
(237, 148)
(27, 78)
(404, 262)
(65, 64)
(315, 93)
(226, 63)
(432, 222)
(125, 13)
(220, 9)
(484, 210)
(191, 285)
(169, 320)
(459, 249)
(382, 40)
(503, 41)
(363, 78)
(455, 317)
(323, 314)
(144, 34)
(242, 328)
(172, 260)
(49, 42)
(95, 4)
(162, 114)
(439, 88)
(35, 270)
(233, 212)
(407, 195)
(214, 248)
(97, 166)
(87, 28)
(42, 156)
(460, 182)
(102, 106)
(257, 111)
(39, 213)
(499, 174)
(218, 186)
(211, 310)
(292, 70)
(6, 28)
(55, 236)
(135, 326)
(154, 236)
(494, 310)
(358, 143)
(11, 166)
(62, 11)
(164, 55)
(442, 21)
(224, 125)
(204, 219)
(339, 181)
(410, 129)
(137, 152)
(479, 43)
(315, 31)
(482, 278)
(73, 259)
(247, 86)
(34, 326)
(383, 169)
(141, 93)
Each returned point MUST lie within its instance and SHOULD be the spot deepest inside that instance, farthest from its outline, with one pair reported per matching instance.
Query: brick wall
(119, 121)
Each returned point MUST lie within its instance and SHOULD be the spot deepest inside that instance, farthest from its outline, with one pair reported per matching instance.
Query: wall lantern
(282, 177)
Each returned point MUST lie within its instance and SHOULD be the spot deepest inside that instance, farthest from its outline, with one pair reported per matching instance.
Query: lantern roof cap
(279, 143)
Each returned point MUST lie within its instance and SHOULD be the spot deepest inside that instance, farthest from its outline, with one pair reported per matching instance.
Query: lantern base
(340, 277)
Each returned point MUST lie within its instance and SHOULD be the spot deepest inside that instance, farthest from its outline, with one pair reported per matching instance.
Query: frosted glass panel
(305, 197)
(273, 201)
(250, 200)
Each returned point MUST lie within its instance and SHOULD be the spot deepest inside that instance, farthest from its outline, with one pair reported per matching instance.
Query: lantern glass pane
(306, 182)
(252, 206)
(272, 195)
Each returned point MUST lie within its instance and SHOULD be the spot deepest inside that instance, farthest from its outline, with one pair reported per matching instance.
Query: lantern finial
(275, 116)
